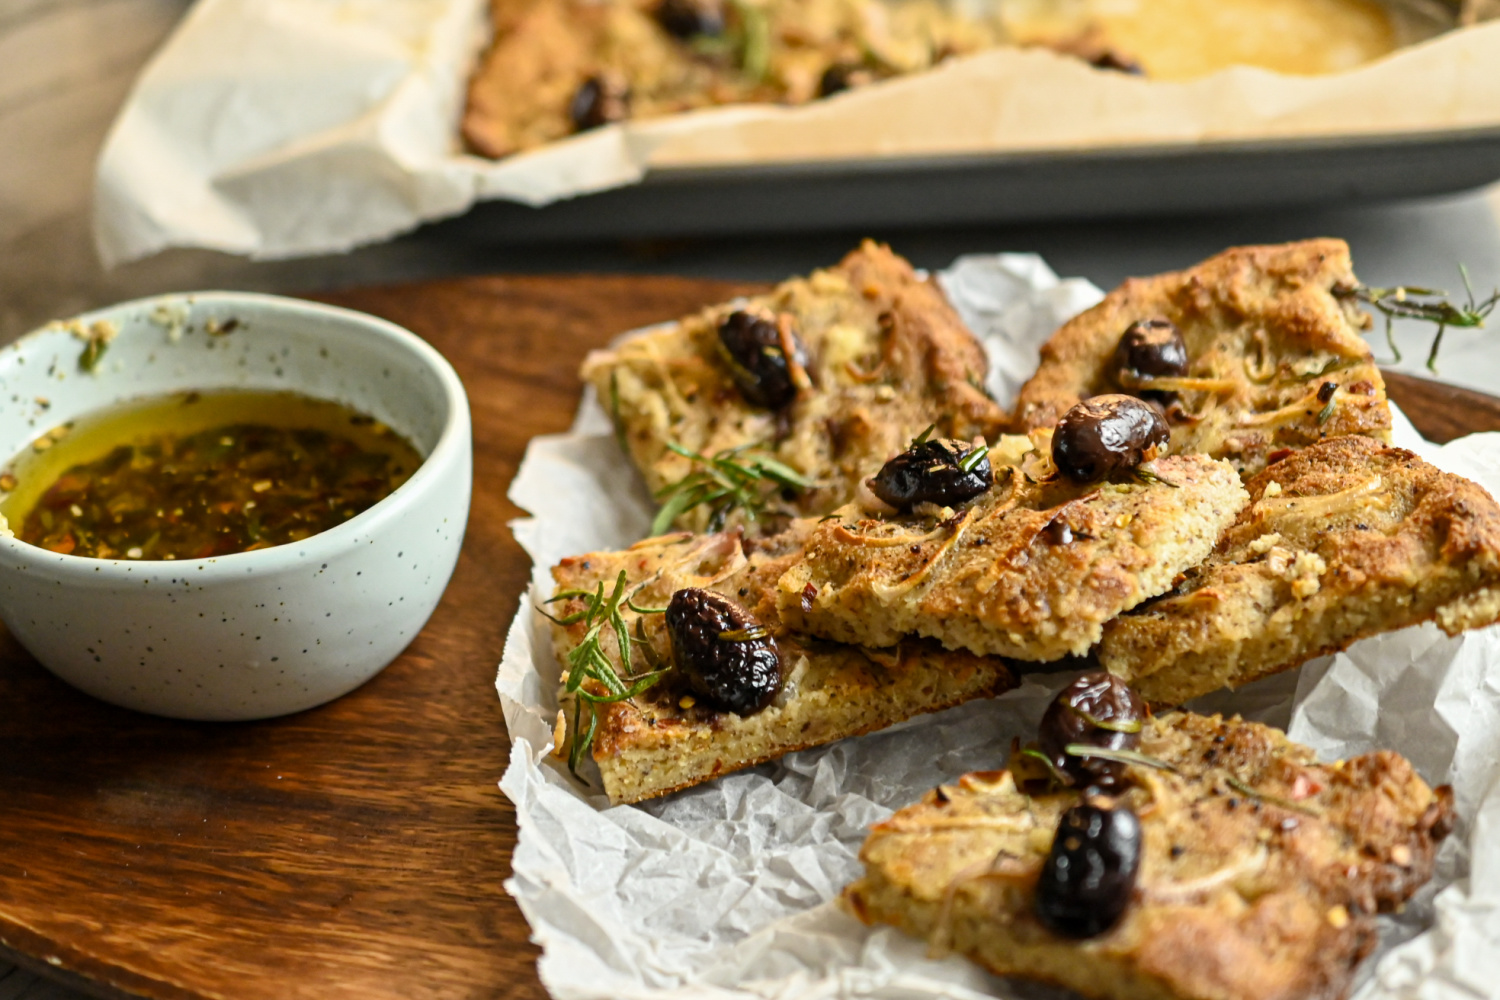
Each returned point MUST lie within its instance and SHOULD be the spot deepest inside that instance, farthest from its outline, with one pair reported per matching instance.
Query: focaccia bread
(1260, 870)
(1275, 359)
(886, 357)
(668, 738)
(1343, 540)
(557, 67)
(1031, 570)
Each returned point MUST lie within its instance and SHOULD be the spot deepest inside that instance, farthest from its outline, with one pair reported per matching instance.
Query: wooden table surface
(357, 850)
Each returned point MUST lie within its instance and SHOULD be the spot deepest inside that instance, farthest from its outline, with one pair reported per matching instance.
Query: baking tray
(884, 194)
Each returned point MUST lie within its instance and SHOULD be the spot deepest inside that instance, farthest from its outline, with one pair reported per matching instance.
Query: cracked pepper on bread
(866, 355)
(1343, 540)
(1031, 570)
(1257, 871)
(670, 737)
(1274, 356)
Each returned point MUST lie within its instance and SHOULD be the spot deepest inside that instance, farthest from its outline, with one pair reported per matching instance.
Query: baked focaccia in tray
(1343, 540)
(1229, 866)
(730, 685)
(828, 375)
(1031, 569)
(1252, 352)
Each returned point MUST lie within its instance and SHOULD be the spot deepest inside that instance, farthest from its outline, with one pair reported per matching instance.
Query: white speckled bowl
(256, 634)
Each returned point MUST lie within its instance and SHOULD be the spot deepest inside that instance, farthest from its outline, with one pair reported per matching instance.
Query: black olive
(842, 76)
(1089, 875)
(725, 654)
(1110, 59)
(1150, 347)
(758, 360)
(599, 100)
(1097, 710)
(933, 472)
(686, 19)
(1106, 435)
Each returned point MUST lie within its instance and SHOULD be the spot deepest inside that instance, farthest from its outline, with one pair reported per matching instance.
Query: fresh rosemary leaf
(739, 478)
(1274, 800)
(1150, 478)
(973, 458)
(1057, 776)
(1123, 756)
(1113, 725)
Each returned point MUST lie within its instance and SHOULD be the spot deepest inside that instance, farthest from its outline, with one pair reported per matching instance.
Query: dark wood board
(357, 850)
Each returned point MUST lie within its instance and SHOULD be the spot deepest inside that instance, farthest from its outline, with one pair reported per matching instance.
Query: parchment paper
(279, 128)
(724, 891)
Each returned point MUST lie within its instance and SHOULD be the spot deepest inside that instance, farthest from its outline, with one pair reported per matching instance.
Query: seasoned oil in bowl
(196, 475)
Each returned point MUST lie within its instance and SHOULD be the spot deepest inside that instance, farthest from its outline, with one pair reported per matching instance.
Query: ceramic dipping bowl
(255, 634)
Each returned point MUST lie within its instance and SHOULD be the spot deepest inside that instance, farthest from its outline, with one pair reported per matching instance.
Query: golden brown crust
(661, 741)
(887, 358)
(1343, 540)
(1031, 570)
(1269, 893)
(1263, 325)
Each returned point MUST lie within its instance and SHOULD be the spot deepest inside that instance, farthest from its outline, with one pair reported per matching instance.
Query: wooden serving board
(357, 850)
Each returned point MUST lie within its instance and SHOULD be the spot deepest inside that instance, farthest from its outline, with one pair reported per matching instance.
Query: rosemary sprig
(1123, 756)
(973, 458)
(1274, 800)
(588, 661)
(1429, 305)
(729, 480)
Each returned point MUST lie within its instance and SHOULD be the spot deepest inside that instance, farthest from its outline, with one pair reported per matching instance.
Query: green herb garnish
(729, 480)
(1429, 305)
(1123, 756)
(745, 634)
(1113, 725)
(973, 458)
(588, 661)
(1057, 776)
(1150, 478)
(1274, 800)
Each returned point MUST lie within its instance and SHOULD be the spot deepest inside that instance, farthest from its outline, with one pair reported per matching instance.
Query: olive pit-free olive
(1089, 876)
(726, 655)
(1096, 710)
(933, 471)
(1107, 435)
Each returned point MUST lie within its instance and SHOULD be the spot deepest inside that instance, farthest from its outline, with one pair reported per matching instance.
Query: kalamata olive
(687, 19)
(1107, 435)
(940, 471)
(1096, 710)
(1150, 347)
(842, 76)
(1090, 872)
(599, 100)
(758, 359)
(726, 655)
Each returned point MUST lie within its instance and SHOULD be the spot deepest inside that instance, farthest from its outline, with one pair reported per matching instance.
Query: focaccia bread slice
(1274, 352)
(1031, 570)
(666, 738)
(1259, 878)
(886, 358)
(1343, 540)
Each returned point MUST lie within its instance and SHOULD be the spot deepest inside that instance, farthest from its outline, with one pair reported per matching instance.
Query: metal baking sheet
(1012, 188)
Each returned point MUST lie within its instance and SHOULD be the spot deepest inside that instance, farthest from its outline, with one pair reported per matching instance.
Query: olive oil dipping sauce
(194, 475)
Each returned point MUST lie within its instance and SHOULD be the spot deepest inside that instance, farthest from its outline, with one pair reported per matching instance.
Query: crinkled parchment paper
(278, 128)
(725, 890)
